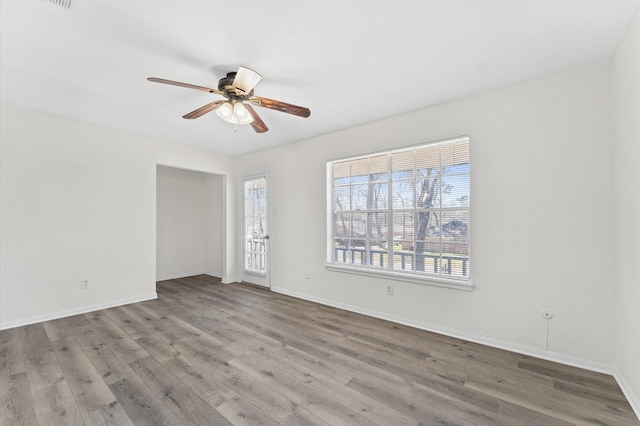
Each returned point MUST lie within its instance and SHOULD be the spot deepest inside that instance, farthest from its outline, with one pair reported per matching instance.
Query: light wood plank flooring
(204, 353)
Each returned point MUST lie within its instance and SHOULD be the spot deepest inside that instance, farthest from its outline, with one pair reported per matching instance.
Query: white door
(256, 230)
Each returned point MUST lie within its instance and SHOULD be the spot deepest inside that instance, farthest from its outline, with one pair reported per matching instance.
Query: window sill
(399, 276)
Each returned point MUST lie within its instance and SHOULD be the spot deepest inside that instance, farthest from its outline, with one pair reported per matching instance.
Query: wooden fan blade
(245, 80)
(203, 110)
(280, 106)
(187, 85)
(257, 123)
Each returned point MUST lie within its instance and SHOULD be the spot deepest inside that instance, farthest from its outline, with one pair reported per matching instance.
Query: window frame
(419, 277)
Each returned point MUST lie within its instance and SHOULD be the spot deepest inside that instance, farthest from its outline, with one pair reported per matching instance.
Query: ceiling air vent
(64, 3)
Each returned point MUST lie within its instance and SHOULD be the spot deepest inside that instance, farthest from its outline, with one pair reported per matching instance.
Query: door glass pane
(255, 219)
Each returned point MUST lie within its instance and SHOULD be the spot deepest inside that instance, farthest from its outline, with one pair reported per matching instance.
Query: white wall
(541, 217)
(188, 223)
(79, 201)
(626, 184)
(213, 226)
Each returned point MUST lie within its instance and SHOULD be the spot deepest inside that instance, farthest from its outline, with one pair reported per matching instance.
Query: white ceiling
(350, 62)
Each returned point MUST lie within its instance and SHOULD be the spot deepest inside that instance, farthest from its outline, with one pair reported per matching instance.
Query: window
(403, 212)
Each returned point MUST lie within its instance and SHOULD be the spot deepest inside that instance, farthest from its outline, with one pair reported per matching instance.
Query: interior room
(165, 266)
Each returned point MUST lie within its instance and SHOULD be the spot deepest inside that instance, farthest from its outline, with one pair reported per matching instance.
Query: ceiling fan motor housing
(226, 82)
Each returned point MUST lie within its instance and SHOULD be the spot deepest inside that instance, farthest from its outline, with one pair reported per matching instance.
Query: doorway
(255, 229)
(189, 223)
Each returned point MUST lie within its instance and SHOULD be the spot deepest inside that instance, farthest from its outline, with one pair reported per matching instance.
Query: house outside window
(404, 213)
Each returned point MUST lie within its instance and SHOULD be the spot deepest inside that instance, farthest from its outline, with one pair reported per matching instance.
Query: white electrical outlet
(546, 314)
(84, 283)
(389, 289)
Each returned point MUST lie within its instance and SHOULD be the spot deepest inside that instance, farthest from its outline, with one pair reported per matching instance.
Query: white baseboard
(632, 397)
(229, 280)
(178, 275)
(471, 337)
(215, 274)
(223, 280)
(77, 311)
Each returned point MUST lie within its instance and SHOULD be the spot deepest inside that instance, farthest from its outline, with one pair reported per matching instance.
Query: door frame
(263, 280)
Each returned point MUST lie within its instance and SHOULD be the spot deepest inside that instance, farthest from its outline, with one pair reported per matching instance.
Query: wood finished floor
(205, 353)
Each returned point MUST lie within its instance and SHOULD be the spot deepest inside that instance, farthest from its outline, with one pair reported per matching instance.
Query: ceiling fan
(237, 89)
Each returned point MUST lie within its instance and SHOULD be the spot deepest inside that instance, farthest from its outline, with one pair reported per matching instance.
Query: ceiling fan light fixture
(225, 111)
(235, 113)
(241, 114)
